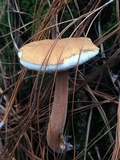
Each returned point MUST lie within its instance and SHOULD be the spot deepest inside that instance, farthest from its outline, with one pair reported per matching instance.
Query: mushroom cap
(60, 54)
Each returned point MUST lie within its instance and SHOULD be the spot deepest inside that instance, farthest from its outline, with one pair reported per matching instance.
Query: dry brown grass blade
(13, 96)
(108, 34)
(116, 151)
(90, 77)
(118, 128)
(106, 96)
(103, 115)
(55, 7)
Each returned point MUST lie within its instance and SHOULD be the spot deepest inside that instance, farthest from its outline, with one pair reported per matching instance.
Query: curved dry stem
(57, 120)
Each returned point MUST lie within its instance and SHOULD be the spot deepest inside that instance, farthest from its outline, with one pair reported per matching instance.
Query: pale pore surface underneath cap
(61, 54)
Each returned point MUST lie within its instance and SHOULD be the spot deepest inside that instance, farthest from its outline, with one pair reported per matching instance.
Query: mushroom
(57, 56)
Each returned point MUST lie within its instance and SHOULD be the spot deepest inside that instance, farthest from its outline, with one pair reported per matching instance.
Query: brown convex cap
(60, 54)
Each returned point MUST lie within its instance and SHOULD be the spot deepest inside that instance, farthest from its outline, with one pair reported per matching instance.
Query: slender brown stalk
(57, 120)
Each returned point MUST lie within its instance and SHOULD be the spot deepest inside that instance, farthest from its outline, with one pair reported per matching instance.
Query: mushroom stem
(55, 138)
